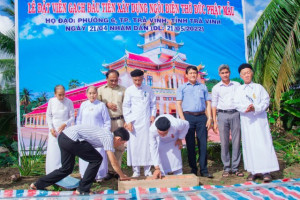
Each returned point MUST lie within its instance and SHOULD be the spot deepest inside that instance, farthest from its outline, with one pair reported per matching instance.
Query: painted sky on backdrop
(84, 54)
(48, 52)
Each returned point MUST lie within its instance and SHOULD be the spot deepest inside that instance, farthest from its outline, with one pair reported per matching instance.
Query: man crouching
(166, 135)
(81, 141)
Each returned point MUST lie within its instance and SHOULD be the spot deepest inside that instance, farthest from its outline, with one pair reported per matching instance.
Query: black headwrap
(162, 124)
(244, 66)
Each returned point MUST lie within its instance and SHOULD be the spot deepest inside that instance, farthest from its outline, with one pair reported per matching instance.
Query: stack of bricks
(169, 181)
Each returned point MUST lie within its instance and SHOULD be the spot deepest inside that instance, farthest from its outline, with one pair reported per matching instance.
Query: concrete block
(169, 181)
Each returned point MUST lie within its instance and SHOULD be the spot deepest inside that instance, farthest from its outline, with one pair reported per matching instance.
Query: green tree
(273, 47)
(25, 99)
(42, 99)
(211, 83)
(7, 46)
(7, 69)
(74, 83)
(10, 9)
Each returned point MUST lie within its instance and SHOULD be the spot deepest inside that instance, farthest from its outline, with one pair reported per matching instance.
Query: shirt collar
(223, 84)
(138, 87)
(107, 86)
(197, 83)
(249, 85)
(94, 102)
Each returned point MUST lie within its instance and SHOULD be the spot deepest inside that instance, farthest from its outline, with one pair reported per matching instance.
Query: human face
(192, 76)
(118, 141)
(137, 81)
(92, 94)
(247, 75)
(163, 133)
(60, 94)
(225, 74)
(112, 80)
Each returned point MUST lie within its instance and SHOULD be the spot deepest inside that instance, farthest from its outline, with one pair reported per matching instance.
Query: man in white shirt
(228, 120)
(139, 110)
(166, 135)
(81, 141)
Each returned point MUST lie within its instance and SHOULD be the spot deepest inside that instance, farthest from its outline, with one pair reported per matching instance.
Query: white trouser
(147, 170)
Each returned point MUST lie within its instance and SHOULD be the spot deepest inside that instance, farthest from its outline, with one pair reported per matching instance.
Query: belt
(116, 118)
(194, 113)
(227, 111)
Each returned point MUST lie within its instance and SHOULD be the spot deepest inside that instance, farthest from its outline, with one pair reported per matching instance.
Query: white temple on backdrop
(163, 64)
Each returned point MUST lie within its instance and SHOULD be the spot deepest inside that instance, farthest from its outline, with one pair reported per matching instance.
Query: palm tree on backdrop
(273, 47)
(74, 83)
(25, 99)
(7, 46)
(42, 99)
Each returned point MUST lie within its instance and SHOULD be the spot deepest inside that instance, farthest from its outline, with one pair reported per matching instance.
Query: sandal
(78, 192)
(225, 174)
(32, 186)
(251, 177)
(267, 178)
(239, 174)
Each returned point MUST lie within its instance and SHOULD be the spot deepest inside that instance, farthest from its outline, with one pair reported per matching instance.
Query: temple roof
(137, 57)
(75, 95)
(155, 60)
(162, 39)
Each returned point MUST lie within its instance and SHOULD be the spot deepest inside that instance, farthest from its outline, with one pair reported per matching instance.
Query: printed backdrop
(72, 43)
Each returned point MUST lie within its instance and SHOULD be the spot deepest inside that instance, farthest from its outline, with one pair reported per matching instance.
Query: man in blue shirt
(193, 104)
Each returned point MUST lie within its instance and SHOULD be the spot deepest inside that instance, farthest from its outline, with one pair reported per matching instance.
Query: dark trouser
(230, 122)
(198, 125)
(69, 149)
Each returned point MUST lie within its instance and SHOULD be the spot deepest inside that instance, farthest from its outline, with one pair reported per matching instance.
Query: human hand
(250, 108)
(179, 143)
(128, 126)
(124, 178)
(61, 128)
(215, 128)
(112, 106)
(157, 174)
(152, 118)
(208, 123)
(53, 132)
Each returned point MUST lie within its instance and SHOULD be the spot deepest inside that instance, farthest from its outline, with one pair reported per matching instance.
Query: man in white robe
(252, 100)
(166, 135)
(139, 110)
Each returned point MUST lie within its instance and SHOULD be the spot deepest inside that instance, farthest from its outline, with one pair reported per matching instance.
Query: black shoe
(116, 176)
(207, 175)
(109, 176)
(193, 171)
